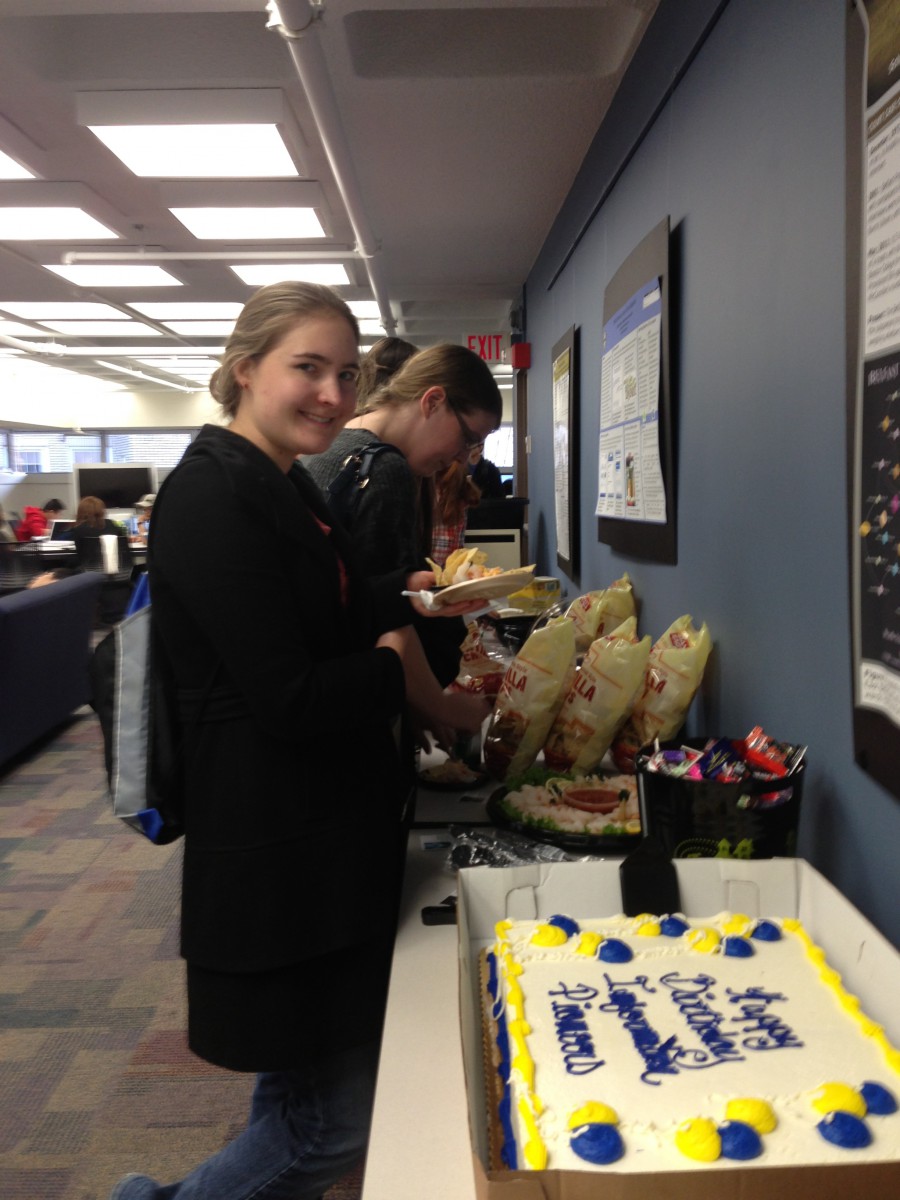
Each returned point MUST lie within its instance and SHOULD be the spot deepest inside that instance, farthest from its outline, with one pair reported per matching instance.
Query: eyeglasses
(471, 439)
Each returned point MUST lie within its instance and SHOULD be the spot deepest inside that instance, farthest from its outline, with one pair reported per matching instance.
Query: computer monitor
(118, 485)
(61, 531)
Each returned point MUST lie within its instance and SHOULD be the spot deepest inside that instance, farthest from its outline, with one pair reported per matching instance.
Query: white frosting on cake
(664, 1042)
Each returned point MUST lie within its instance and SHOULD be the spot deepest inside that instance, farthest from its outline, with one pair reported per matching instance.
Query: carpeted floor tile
(95, 1076)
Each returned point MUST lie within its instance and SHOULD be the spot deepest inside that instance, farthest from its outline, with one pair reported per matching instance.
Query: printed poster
(876, 464)
(630, 480)
(562, 382)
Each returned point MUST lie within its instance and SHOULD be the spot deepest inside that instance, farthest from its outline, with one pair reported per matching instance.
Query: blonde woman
(290, 672)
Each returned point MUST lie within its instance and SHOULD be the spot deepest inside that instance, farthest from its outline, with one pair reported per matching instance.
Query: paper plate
(491, 587)
(431, 779)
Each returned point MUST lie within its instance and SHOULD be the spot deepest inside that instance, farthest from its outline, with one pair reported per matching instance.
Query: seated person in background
(91, 525)
(46, 577)
(455, 492)
(36, 521)
(485, 475)
(144, 508)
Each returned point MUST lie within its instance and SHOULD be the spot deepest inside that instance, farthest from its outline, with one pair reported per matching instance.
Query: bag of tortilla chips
(600, 612)
(599, 701)
(480, 673)
(533, 688)
(674, 673)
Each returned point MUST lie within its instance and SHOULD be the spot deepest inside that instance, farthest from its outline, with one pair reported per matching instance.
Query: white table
(419, 1146)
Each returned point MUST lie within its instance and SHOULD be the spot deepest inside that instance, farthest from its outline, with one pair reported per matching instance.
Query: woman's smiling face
(298, 396)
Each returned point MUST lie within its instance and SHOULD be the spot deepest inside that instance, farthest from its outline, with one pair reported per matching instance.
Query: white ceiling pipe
(51, 348)
(294, 21)
(139, 255)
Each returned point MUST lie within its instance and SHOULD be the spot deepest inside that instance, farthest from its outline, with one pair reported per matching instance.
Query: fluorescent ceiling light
(10, 169)
(151, 356)
(50, 224)
(33, 373)
(141, 375)
(62, 310)
(129, 329)
(364, 308)
(248, 224)
(17, 329)
(199, 369)
(259, 274)
(201, 328)
(370, 327)
(199, 151)
(188, 310)
(157, 349)
(104, 275)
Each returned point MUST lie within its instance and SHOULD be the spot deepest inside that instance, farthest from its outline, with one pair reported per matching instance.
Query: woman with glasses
(439, 404)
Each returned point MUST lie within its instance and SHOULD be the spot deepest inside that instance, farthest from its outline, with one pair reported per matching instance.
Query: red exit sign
(489, 346)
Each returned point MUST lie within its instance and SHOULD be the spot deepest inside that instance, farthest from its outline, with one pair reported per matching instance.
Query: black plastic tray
(578, 843)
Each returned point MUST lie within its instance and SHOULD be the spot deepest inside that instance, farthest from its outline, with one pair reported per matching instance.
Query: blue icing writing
(658, 1056)
(580, 993)
(572, 1033)
(692, 996)
(575, 1040)
(768, 1031)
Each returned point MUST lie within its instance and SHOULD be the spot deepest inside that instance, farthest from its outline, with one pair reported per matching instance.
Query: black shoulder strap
(342, 494)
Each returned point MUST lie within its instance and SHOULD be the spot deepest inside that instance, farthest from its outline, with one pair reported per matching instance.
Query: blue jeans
(306, 1129)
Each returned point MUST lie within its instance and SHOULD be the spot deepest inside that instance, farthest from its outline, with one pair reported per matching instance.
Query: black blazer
(293, 781)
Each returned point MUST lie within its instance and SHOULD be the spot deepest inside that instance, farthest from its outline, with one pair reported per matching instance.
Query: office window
(29, 461)
(163, 448)
(498, 448)
(59, 452)
(31, 452)
(34, 452)
(84, 447)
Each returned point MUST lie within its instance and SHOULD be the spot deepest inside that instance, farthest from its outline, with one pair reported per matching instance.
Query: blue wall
(746, 157)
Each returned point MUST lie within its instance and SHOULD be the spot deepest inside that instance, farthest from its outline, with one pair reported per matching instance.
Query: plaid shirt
(446, 538)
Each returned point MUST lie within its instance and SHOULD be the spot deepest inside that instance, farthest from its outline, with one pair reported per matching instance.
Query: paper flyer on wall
(562, 370)
(630, 481)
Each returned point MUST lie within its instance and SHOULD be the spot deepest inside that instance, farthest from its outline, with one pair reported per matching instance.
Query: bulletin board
(873, 384)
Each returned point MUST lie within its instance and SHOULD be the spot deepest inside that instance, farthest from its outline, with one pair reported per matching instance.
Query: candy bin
(722, 797)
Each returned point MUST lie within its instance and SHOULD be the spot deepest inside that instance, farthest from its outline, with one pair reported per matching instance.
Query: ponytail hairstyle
(466, 379)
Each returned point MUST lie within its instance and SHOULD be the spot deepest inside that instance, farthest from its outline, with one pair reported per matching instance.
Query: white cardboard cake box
(781, 887)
